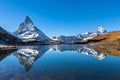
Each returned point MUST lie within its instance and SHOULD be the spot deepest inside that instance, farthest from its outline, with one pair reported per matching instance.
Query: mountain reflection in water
(28, 55)
(60, 62)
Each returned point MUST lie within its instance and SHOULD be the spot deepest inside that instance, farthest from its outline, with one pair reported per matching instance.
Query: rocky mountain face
(27, 31)
(77, 38)
(8, 38)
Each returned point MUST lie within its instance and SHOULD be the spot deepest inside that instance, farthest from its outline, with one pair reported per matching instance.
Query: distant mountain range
(28, 33)
(77, 38)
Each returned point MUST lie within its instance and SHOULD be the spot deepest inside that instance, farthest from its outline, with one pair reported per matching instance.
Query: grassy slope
(110, 38)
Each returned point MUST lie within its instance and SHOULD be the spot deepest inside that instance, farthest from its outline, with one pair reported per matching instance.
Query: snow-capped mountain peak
(28, 32)
(101, 29)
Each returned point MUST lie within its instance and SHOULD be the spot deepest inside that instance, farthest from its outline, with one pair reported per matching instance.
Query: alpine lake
(60, 62)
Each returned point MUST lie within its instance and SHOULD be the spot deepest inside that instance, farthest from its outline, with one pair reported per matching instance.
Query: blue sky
(61, 17)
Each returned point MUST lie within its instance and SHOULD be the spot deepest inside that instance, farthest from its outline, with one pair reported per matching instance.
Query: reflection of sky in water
(57, 65)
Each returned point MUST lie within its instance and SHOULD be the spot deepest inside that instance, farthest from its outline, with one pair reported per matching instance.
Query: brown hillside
(110, 38)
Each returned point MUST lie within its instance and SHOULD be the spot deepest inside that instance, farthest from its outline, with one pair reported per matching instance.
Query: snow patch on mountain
(28, 32)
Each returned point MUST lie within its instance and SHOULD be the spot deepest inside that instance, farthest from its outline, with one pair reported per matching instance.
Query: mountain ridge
(28, 33)
(83, 36)
(8, 38)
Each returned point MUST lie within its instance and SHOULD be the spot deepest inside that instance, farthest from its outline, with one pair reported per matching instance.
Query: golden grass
(110, 38)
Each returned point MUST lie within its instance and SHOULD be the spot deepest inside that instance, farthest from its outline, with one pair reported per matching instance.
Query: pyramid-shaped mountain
(27, 31)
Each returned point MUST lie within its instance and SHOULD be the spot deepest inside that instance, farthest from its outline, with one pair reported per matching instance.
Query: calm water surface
(63, 62)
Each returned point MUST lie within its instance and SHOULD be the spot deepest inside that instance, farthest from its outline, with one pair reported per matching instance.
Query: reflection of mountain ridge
(5, 53)
(28, 56)
(80, 49)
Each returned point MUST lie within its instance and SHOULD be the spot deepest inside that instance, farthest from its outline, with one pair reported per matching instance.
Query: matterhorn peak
(27, 31)
(28, 20)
